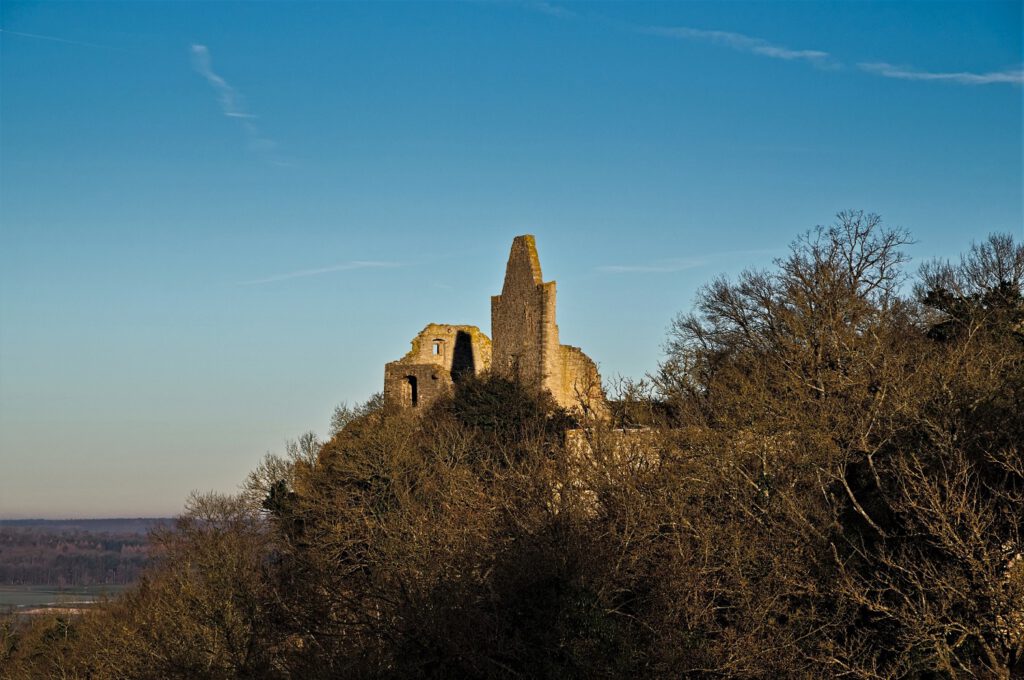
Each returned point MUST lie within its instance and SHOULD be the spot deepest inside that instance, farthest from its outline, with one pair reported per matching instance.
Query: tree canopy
(823, 478)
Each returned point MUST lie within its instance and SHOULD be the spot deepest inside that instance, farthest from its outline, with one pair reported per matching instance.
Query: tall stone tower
(523, 327)
(525, 335)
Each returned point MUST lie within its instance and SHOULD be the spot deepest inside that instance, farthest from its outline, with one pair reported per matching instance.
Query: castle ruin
(525, 346)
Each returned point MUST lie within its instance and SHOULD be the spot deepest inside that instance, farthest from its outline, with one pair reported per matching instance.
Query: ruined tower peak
(523, 263)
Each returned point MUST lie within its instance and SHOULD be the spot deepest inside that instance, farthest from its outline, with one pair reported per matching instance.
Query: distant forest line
(75, 552)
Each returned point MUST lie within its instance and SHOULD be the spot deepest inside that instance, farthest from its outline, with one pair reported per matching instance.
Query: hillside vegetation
(823, 478)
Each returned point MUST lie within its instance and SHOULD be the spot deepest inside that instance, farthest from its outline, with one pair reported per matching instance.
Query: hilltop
(829, 483)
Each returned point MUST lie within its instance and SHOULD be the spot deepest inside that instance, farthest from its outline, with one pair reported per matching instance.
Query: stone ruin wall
(525, 346)
(522, 319)
(525, 333)
(581, 382)
(440, 354)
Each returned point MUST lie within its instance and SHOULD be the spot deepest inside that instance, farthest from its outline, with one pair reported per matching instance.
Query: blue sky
(220, 219)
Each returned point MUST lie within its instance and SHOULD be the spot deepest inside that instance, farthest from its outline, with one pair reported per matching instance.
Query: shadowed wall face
(463, 362)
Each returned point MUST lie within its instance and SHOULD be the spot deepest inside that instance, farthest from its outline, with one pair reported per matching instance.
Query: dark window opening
(437, 347)
(411, 394)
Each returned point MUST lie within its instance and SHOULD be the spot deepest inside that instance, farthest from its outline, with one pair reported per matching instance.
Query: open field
(22, 598)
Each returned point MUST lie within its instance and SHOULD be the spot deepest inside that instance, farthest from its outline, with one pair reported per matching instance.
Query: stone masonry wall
(440, 354)
(525, 346)
(522, 317)
(581, 383)
(525, 335)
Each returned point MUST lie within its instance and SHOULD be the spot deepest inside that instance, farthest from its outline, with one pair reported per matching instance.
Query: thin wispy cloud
(659, 267)
(303, 273)
(740, 43)
(678, 264)
(51, 38)
(553, 10)
(232, 104)
(1013, 76)
(820, 58)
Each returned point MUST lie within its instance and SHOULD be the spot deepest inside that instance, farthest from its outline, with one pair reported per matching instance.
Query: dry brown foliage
(824, 479)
